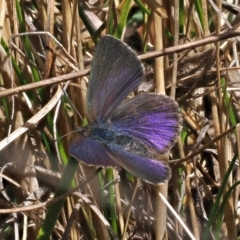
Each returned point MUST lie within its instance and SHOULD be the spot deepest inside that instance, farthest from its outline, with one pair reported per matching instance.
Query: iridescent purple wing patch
(150, 117)
(130, 133)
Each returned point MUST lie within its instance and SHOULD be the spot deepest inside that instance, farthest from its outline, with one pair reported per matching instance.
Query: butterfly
(131, 133)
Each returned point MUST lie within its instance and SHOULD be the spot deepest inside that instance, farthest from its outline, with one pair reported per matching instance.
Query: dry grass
(199, 67)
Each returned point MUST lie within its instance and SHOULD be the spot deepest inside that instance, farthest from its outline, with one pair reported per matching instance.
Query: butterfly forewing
(115, 72)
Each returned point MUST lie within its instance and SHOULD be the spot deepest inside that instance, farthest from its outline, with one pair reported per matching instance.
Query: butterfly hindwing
(90, 152)
(150, 170)
(152, 118)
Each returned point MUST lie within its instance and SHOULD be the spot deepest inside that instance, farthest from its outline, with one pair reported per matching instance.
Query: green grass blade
(216, 205)
(198, 6)
(142, 7)
(125, 7)
(112, 201)
(55, 209)
(217, 233)
(26, 41)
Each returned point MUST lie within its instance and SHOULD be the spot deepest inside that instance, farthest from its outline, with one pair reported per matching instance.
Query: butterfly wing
(150, 170)
(149, 123)
(90, 152)
(144, 126)
(115, 72)
(151, 118)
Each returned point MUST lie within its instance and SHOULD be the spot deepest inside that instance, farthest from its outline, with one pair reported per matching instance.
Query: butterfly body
(130, 133)
(127, 143)
(102, 135)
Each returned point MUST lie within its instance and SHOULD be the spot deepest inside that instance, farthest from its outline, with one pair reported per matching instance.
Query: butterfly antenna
(63, 136)
(65, 93)
(78, 128)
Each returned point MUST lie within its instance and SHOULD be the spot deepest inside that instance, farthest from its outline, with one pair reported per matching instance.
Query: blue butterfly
(130, 133)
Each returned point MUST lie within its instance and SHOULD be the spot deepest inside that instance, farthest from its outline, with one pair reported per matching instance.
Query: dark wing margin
(115, 72)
